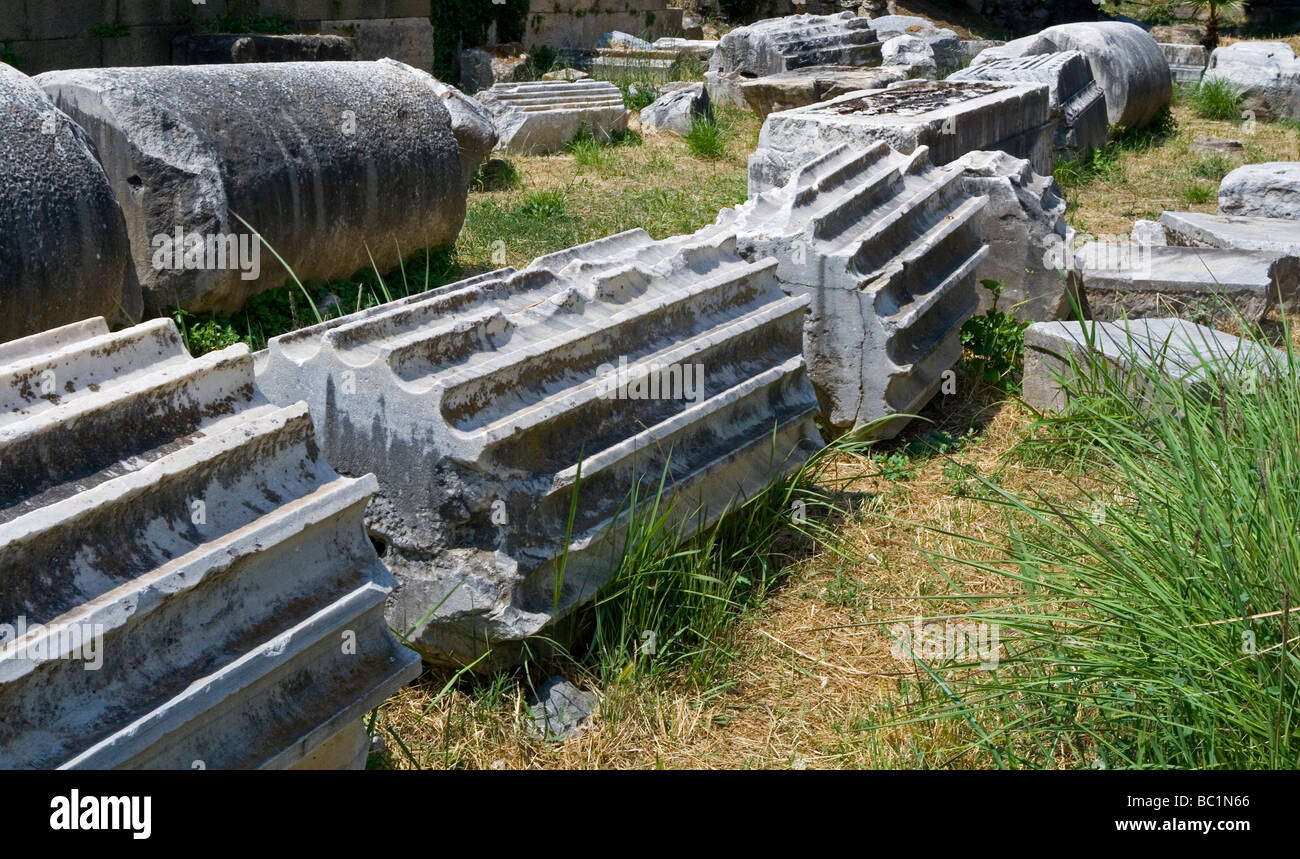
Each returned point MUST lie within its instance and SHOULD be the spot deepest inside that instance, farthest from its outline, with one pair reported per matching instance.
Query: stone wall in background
(69, 34)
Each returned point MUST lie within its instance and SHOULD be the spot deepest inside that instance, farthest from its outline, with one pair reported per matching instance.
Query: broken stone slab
(1137, 349)
(332, 163)
(1267, 190)
(971, 48)
(1205, 145)
(800, 87)
(781, 44)
(542, 117)
(566, 75)
(1152, 281)
(481, 68)
(1186, 62)
(698, 49)
(950, 118)
(1267, 73)
(620, 41)
(560, 709)
(63, 243)
(886, 249)
(618, 63)
(1078, 104)
(1126, 62)
(204, 48)
(485, 406)
(677, 110)
(1146, 232)
(194, 537)
(911, 54)
(944, 44)
(1024, 226)
(1232, 232)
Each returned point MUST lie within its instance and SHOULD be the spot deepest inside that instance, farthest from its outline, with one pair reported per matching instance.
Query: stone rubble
(1152, 281)
(1231, 232)
(1267, 190)
(676, 110)
(800, 87)
(1267, 73)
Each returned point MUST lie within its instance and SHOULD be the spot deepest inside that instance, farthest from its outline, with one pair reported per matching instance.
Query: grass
(1150, 617)
(1131, 180)
(1216, 98)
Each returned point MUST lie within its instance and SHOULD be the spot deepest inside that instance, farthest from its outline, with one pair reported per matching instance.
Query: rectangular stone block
(193, 537)
(1152, 281)
(949, 118)
(1186, 62)
(1232, 232)
(1060, 357)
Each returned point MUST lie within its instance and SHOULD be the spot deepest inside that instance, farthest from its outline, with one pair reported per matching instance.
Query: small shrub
(1214, 167)
(996, 342)
(1199, 193)
(541, 205)
(1096, 164)
(1216, 98)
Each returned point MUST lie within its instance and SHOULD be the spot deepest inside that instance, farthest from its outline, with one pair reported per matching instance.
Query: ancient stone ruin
(1231, 232)
(373, 156)
(782, 44)
(949, 118)
(187, 582)
(886, 248)
(487, 406)
(1078, 104)
(536, 118)
(1125, 60)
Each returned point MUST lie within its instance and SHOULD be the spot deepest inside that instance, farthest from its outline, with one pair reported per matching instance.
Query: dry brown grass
(1154, 180)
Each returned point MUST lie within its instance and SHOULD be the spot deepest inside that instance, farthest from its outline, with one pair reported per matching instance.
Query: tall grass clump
(1151, 619)
(1216, 98)
(707, 139)
(674, 600)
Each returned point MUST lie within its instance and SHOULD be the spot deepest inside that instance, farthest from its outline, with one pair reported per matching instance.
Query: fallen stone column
(184, 581)
(1125, 60)
(486, 406)
(1153, 281)
(1267, 190)
(1133, 349)
(950, 118)
(783, 44)
(1077, 102)
(330, 162)
(1231, 232)
(886, 249)
(542, 117)
(63, 244)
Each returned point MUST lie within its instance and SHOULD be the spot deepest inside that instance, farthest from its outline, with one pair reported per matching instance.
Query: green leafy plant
(707, 138)
(1197, 192)
(1214, 10)
(542, 205)
(996, 342)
